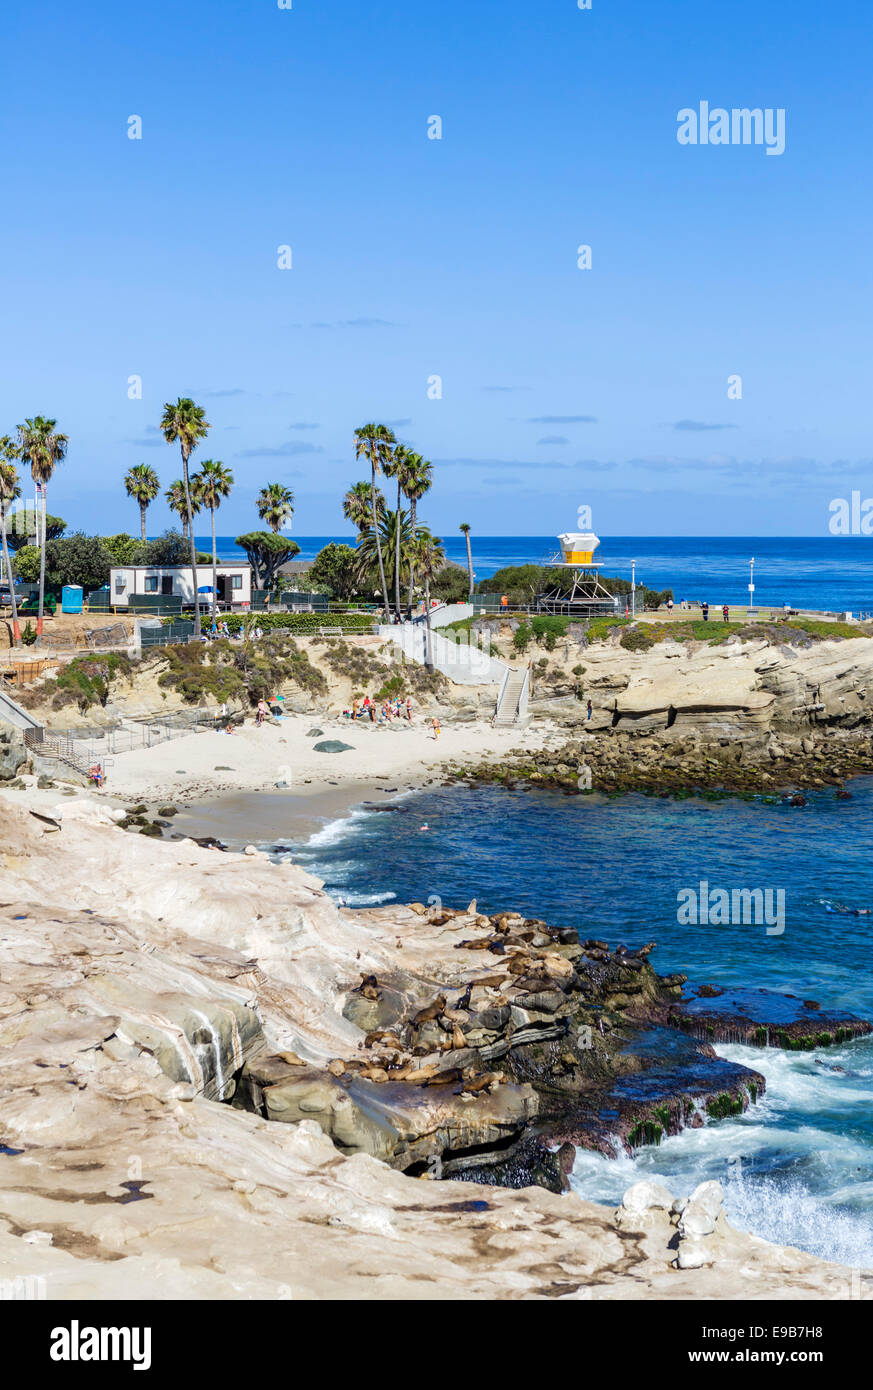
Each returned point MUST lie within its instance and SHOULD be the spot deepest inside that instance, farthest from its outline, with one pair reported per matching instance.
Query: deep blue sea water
(798, 1167)
(834, 573)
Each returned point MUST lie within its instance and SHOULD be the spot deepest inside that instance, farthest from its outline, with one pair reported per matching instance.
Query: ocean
(834, 573)
(797, 1167)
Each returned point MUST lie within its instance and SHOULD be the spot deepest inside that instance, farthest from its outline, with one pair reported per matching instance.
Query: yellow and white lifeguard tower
(578, 547)
(579, 590)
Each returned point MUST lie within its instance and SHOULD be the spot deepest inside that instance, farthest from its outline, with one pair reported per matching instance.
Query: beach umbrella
(205, 589)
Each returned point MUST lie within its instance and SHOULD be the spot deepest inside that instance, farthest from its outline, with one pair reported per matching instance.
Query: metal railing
(83, 751)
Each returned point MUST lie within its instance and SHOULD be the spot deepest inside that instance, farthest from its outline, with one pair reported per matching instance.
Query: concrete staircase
(509, 705)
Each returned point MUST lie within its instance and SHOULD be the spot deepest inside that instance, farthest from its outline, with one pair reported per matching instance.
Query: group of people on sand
(392, 708)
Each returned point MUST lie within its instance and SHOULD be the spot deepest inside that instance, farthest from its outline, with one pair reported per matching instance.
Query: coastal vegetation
(83, 682)
(244, 672)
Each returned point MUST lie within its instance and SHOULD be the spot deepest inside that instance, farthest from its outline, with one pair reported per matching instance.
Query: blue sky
(414, 257)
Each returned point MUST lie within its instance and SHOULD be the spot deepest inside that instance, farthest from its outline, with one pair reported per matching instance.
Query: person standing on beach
(436, 728)
(725, 612)
(590, 709)
(704, 608)
(408, 709)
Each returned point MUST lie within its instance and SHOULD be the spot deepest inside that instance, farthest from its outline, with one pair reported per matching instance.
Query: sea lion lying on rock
(432, 1012)
(369, 987)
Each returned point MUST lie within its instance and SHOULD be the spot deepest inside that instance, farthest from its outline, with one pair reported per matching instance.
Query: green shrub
(636, 640)
(522, 637)
(84, 681)
(253, 671)
(303, 624)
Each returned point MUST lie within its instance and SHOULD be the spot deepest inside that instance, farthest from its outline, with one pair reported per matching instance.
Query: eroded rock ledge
(141, 978)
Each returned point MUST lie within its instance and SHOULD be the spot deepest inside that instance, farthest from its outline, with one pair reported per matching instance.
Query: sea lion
(337, 1067)
(292, 1059)
(463, 1004)
(382, 1035)
(368, 988)
(482, 945)
(458, 1039)
(445, 1078)
(432, 1011)
(476, 1085)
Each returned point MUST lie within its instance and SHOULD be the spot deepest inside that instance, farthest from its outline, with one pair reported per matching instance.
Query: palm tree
(141, 483)
(429, 558)
(178, 503)
(43, 448)
(395, 535)
(406, 467)
(213, 482)
(10, 488)
(358, 506)
(275, 505)
(185, 424)
(376, 443)
(465, 529)
(418, 481)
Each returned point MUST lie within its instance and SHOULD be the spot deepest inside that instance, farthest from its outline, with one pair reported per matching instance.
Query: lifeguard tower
(578, 591)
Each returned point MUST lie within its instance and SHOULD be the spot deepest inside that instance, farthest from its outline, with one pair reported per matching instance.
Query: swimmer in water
(846, 911)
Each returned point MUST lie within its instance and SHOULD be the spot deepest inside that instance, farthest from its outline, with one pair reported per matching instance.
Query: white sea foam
(352, 899)
(338, 829)
(792, 1168)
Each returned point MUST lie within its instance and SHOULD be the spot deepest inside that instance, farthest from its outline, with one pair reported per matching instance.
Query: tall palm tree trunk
(41, 530)
(428, 657)
(142, 520)
(214, 568)
(412, 516)
(193, 547)
(379, 545)
(16, 629)
(469, 564)
(397, 560)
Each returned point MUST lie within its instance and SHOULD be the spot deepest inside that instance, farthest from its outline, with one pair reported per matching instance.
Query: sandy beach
(255, 759)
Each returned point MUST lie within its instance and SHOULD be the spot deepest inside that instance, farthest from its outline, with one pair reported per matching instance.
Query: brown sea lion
(476, 1085)
(382, 1035)
(432, 1011)
(445, 1078)
(369, 987)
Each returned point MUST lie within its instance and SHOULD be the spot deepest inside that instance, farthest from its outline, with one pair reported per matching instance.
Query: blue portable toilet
(71, 598)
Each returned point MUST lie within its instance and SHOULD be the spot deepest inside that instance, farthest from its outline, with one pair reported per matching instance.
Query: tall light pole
(633, 588)
(751, 585)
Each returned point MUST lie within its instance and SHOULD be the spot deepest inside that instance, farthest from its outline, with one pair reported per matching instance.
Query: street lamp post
(751, 586)
(633, 588)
